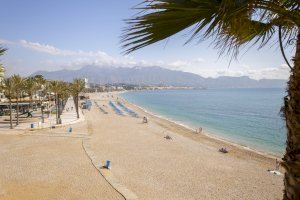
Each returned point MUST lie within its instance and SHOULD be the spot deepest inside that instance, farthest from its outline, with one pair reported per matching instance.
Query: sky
(69, 34)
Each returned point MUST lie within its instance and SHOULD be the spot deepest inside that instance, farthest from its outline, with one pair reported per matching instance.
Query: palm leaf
(2, 51)
(231, 23)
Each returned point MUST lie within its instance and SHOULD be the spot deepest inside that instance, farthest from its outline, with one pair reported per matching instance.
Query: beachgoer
(200, 130)
(29, 114)
(223, 150)
(168, 137)
(277, 165)
(145, 120)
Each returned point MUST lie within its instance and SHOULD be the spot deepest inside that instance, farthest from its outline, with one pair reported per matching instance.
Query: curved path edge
(108, 176)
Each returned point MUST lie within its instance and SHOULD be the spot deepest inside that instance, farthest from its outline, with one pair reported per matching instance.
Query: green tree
(232, 24)
(41, 88)
(55, 87)
(77, 87)
(61, 93)
(30, 86)
(18, 82)
(8, 88)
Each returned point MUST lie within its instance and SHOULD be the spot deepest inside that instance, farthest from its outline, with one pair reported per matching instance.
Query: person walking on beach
(199, 130)
(277, 165)
(145, 120)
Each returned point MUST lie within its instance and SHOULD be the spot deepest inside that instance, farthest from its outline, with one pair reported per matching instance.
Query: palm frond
(230, 23)
(2, 51)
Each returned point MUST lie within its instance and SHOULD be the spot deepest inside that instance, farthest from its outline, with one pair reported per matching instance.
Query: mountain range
(158, 76)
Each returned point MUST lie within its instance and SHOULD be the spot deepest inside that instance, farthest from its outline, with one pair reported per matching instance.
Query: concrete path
(68, 117)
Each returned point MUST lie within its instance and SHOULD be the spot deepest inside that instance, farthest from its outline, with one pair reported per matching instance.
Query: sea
(249, 117)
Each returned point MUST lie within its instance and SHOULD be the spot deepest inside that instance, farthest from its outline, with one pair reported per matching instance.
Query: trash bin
(31, 125)
(107, 166)
(70, 130)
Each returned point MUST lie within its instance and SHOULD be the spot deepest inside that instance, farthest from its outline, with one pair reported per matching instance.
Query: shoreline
(205, 133)
(142, 161)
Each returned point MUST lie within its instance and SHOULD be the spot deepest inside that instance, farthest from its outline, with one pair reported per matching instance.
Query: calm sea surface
(249, 117)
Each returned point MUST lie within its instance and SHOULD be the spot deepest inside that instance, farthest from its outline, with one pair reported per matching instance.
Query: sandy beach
(52, 164)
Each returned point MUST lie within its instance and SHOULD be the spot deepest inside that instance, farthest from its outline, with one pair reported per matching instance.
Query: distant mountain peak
(157, 76)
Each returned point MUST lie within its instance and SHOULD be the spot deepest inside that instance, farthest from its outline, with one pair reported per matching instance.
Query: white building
(2, 70)
(86, 83)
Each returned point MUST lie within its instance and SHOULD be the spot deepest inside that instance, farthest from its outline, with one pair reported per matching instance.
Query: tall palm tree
(8, 88)
(47, 91)
(30, 86)
(55, 87)
(77, 87)
(232, 24)
(41, 82)
(60, 90)
(65, 94)
(18, 82)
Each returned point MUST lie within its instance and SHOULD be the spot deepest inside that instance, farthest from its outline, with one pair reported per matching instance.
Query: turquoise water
(249, 117)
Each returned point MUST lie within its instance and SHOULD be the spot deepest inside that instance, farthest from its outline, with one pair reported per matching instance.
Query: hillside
(158, 76)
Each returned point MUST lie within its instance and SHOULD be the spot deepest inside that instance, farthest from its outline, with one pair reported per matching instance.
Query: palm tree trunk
(31, 99)
(58, 110)
(10, 114)
(291, 160)
(43, 119)
(42, 110)
(56, 104)
(76, 105)
(17, 123)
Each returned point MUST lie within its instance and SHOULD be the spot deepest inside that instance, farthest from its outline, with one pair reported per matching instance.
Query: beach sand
(46, 165)
(189, 166)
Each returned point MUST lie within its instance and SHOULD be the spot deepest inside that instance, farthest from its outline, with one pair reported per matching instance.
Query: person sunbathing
(223, 150)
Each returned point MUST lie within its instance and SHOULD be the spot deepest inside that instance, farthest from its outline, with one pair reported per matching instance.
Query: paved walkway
(68, 117)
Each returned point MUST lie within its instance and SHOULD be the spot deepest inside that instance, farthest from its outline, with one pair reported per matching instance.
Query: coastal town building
(2, 73)
(86, 83)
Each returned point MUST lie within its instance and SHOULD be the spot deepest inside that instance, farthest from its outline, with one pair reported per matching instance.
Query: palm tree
(232, 24)
(18, 82)
(60, 90)
(8, 88)
(77, 87)
(65, 94)
(55, 87)
(47, 92)
(41, 82)
(30, 87)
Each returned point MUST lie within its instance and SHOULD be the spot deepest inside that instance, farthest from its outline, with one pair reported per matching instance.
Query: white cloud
(45, 48)
(281, 72)
(69, 59)
(2, 41)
